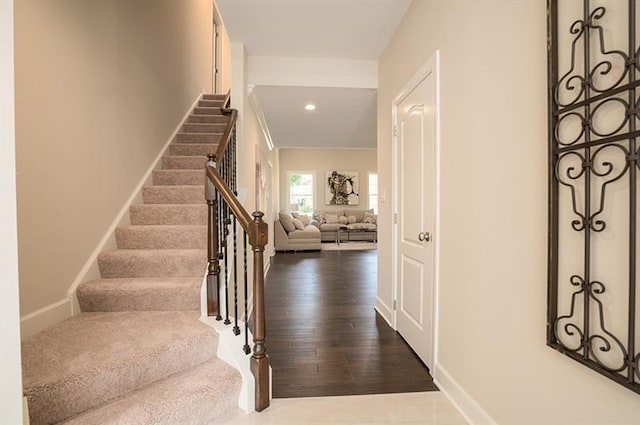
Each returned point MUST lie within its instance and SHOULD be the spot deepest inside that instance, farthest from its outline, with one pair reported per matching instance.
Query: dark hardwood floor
(323, 335)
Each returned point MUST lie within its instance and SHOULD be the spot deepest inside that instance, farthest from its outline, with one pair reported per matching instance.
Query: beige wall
(322, 160)
(493, 231)
(100, 86)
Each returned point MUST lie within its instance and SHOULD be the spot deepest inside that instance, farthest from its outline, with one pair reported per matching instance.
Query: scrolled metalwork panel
(594, 163)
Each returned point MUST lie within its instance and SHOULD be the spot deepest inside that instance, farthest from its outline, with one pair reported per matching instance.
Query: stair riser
(180, 297)
(65, 398)
(204, 128)
(191, 149)
(195, 387)
(198, 110)
(178, 177)
(210, 103)
(173, 195)
(161, 237)
(168, 214)
(184, 162)
(201, 138)
(209, 119)
(219, 97)
(116, 264)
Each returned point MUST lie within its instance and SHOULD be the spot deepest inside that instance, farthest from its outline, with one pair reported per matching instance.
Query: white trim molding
(259, 113)
(466, 405)
(46, 317)
(383, 309)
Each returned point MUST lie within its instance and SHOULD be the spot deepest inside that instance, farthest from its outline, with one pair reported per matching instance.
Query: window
(301, 191)
(373, 192)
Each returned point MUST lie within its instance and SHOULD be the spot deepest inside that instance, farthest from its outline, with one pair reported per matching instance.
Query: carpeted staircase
(138, 353)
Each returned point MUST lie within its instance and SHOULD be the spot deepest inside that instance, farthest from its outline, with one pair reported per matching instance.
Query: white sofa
(296, 239)
(330, 221)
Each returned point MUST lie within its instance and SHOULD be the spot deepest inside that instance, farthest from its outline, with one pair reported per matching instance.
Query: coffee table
(350, 230)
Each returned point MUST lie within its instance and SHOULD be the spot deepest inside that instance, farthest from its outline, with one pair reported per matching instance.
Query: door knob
(424, 236)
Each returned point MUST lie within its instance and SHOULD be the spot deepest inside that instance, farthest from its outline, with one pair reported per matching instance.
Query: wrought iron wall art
(594, 162)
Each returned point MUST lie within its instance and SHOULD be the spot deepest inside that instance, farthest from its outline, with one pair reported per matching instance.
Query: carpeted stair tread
(176, 194)
(204, 127)
(182, 162)
(210, 103)
(214, 96)
(192, 149)
(161, 237)
(196, 118)
(198, 138)
(92, 358)
(178, 177)
(166, 214)
(152, 263)
(140, 294)
(194, 397)
(200, 110)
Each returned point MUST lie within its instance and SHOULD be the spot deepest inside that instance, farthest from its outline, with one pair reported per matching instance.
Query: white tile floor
(428, 408)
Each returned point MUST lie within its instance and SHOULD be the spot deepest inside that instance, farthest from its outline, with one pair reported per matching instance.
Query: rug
(349, 246)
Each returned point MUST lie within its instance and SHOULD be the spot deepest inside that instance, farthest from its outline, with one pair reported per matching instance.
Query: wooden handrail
(257, 233)
(241, 214)
(226, 136)
(227, 98)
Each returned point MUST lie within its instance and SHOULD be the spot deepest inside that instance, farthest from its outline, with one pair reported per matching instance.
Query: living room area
(328, 200)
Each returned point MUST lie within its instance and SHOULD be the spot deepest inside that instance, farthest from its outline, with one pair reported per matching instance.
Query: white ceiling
(344, 118)
(353, 29)
(339, 29)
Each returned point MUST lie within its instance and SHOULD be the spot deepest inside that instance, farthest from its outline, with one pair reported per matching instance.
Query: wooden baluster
(234, 229)
(218, 208)
(259, 359)
(225, 250)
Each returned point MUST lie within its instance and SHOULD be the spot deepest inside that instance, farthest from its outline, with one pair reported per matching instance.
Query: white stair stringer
(230, 350)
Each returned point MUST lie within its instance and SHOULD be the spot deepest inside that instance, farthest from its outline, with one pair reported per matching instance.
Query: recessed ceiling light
(310, 107)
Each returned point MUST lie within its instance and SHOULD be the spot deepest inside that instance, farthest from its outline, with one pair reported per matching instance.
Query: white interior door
(415, 121)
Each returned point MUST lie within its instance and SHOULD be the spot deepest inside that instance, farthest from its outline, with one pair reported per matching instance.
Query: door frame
(431, 66)
(216, 24)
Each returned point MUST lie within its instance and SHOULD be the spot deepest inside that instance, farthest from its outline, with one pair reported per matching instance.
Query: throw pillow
(351, 219)
(331, 218)
(304, 219)
(287, 222)
(298, 224)
(370, 218)
(343, 220)
(295, 214)
(320, 218)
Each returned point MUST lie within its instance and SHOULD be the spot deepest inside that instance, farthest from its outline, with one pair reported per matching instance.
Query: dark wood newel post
(213, 269)
(259, 359)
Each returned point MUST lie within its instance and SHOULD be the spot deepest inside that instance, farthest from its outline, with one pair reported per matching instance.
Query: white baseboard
(384, 311)
(467, 405)
(230, 351)
(45, 317)
(25, 411)
(90, 269)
